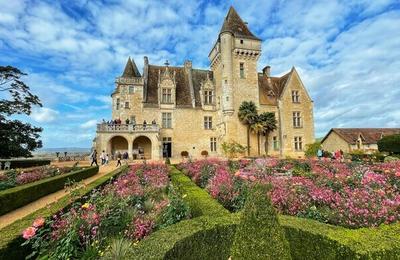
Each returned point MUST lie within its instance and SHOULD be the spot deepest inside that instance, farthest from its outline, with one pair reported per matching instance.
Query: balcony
(127, 128)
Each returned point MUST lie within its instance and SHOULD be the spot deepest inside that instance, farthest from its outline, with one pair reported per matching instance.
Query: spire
(234, 24)
(130, 70)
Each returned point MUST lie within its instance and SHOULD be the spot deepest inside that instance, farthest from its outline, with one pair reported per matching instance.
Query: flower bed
(349, 195)
(16, 177)
(131, 207)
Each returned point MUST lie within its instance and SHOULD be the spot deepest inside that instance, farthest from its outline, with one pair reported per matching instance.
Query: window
(213, 144)
(133, 119)
(167, 95)
(275, 143)
(242, 70)
(296, 119)
(122, 89)
(295, 96)
(167, 139)
(241, 41)
(298, 143)
(166, 120)
(131, 89)
(117, 104)
(126, 104)
(208, 97)
(207, 122)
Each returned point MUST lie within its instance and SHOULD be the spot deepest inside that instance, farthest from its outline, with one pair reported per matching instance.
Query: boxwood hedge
(24, 163)
(210, 236)
(11, 238)
(19, 196)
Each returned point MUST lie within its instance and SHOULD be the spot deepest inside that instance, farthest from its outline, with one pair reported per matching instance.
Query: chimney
(188, 64)
(267, 71)
(146, 61)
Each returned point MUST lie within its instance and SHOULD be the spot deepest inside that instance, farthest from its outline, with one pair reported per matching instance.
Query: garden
(351, 195)
(110, 218)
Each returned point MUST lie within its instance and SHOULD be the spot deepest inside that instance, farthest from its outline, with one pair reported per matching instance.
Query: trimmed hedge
(24, 163)
(11, 238)
(211, 236)
(199, 201)
(19, 196)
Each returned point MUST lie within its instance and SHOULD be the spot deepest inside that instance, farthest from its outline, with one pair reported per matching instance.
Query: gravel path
(12, 216)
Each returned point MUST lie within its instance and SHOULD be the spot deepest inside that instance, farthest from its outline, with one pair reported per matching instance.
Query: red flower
(29, 233)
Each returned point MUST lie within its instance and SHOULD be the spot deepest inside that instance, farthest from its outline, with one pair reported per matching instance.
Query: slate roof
(368, 135)
(131, 70)
(271, 89)
(182, 78)
(234, 24)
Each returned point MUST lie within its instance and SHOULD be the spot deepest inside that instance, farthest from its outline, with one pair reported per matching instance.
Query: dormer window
(166, 95)
(208, 97)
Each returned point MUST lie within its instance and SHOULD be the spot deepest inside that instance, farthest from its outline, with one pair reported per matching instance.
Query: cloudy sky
(347, 53)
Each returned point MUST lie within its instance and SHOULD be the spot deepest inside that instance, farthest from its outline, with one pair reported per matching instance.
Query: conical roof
(234, 24)
(130, 70)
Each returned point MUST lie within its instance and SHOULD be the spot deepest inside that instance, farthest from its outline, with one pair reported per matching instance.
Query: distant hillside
(62, 150)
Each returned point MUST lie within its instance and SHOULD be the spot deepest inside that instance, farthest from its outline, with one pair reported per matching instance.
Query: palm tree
(247, 115)
(269, 124)
(258, 128)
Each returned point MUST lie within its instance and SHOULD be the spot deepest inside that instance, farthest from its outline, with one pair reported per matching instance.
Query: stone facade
(196, 110)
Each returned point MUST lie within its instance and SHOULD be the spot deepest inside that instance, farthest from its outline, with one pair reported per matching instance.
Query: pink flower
(39, 222)
(29, 233)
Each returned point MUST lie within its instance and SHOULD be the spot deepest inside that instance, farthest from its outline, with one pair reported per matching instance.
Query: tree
(390, 144)
(257, 128)
(16, 138)
(269, 124)
(247, 115)
(312, 149)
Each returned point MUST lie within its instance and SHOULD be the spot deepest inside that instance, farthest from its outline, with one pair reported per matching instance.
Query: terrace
(127, 128)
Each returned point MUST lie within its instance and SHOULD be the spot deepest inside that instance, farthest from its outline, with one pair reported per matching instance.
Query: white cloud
(89, 124)
(44, 114)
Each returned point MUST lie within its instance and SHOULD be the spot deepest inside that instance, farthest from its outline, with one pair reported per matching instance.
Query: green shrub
(167, 161)
(11, 239)
(24, 194)
(311, 149)
(390, 144)
(391, 159)
(176, 211)
(233, 149)
(25, 163)
(199, 201)
(120, 249)
(259, 234)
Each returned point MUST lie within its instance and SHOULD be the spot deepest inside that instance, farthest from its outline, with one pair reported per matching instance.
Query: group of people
(104, 157)
(127, 121)
(337, 155)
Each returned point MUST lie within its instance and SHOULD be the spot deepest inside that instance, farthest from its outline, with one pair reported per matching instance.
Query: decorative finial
(166, 63)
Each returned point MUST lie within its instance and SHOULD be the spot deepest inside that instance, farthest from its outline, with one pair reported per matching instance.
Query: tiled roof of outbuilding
(368, 135)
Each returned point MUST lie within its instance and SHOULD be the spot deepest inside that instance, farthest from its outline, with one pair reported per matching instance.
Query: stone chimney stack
(267, 71)
(188, 64)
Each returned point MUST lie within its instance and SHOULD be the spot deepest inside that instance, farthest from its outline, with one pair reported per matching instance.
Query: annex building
(195, 110)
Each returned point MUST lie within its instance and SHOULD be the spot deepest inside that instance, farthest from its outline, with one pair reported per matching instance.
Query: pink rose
(237, 173)
(29, 233)
(252, 178)
(39, 222)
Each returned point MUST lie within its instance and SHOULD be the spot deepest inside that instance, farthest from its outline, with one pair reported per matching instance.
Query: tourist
(144, 124)
(153, 122)
(93, 156)
(341, 155)
(119, 159)
(103, 157)
(125, 157)
(127, 121)
(107, 159)
(319, 154)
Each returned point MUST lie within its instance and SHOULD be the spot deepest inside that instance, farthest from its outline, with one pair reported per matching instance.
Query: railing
(127, 128)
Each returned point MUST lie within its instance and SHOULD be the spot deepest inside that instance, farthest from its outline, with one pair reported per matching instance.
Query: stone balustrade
(127, 128)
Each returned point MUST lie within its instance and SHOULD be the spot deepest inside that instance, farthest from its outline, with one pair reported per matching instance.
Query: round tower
(227, 72)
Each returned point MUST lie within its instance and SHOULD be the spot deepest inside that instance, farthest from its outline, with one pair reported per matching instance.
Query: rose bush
(352, 195)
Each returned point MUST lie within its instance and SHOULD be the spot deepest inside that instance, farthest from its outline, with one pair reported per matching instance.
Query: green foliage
(119, 248)
(11, 239)
(198, 200)
(167, 161)
(176, 211)
(207, 171)
(26, 163)
(311, 149)
(301, 168)
(17, 139)
(390, 144)
(259, 234)
(248, 116)
(232, 149)
(24, 194)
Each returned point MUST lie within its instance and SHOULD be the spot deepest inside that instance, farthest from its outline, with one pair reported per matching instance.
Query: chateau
(195, 110)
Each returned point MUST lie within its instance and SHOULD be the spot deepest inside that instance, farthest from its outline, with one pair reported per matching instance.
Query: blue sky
(347, 53)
